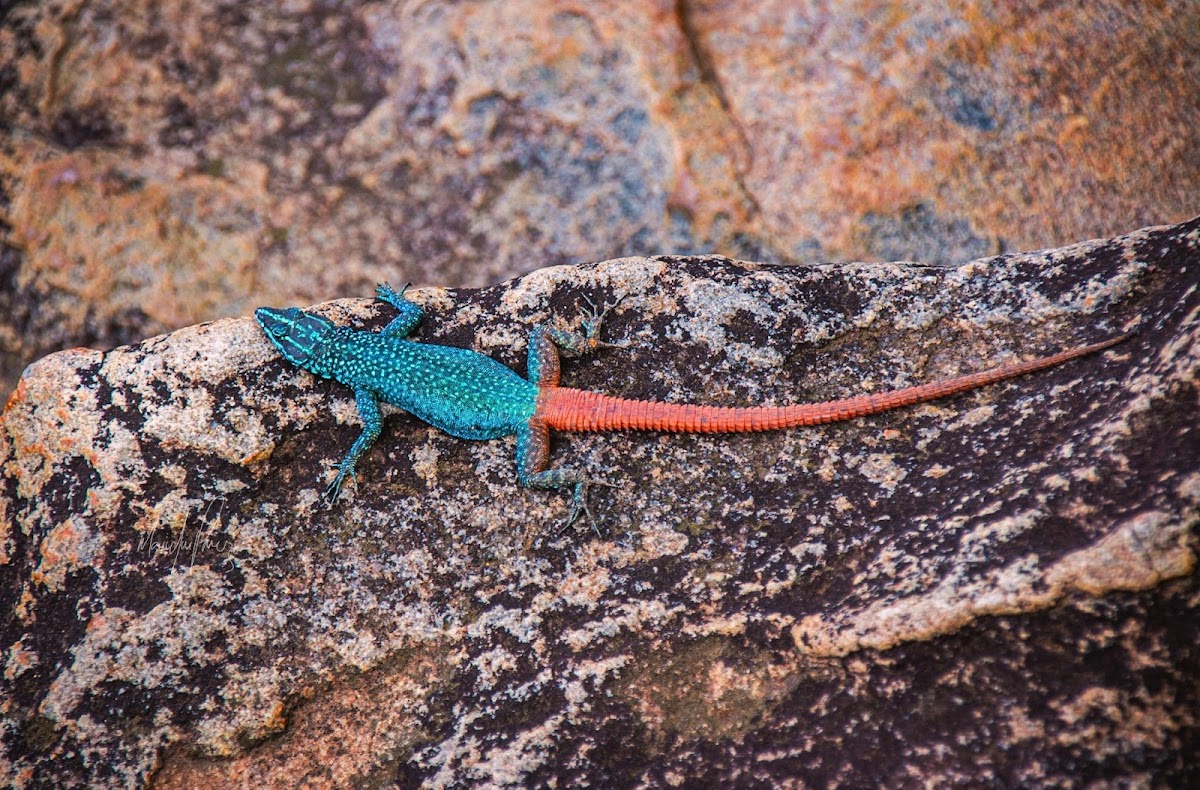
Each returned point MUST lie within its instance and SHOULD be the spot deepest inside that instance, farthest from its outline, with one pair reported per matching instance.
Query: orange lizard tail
(566, 409)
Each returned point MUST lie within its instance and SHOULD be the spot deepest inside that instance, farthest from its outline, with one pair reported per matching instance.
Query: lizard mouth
(296, 333)
(290, 332)
(273, 322)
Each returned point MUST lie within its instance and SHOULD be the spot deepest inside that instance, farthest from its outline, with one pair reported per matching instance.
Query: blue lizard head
(298, 335)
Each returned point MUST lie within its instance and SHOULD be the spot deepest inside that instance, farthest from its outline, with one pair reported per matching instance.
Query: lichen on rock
(1013, 566)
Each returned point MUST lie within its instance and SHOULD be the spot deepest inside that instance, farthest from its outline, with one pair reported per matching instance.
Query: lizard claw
(592, 320)
(579, 503)
(335, 488)
(385, 292)
(580, 506)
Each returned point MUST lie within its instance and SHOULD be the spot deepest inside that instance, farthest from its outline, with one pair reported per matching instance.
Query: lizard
(471, 396)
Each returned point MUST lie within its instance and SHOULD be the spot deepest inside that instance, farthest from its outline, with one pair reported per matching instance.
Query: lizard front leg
(372, 419)
(545, 342)
(410, 314)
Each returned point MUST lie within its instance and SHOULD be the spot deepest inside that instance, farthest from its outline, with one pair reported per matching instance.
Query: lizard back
(462, 392)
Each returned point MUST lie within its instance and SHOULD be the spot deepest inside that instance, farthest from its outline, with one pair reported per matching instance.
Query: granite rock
(994, 588)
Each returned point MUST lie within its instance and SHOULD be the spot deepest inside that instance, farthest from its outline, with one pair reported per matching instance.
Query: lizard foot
(335, 488)
(579, 503)
(593, 319)
(386, 293)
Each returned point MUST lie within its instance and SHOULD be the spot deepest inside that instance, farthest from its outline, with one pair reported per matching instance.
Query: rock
(165, 163)
(997, 587)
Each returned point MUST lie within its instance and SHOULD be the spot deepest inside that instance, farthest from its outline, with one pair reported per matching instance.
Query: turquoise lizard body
(471, 396)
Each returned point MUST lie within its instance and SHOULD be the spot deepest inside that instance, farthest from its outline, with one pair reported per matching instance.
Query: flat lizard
(472, 396)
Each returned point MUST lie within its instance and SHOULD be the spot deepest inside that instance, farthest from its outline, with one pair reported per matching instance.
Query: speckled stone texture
(164, 163)
(997, 588)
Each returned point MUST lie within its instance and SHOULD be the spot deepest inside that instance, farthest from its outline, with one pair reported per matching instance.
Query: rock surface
(164, 163)
(996, 588)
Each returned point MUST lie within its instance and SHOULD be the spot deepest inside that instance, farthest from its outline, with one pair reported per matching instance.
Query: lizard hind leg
(533, 454)
(542, 367)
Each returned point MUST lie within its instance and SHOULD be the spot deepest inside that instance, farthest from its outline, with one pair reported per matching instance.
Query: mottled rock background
(996, 588)
(165, 163)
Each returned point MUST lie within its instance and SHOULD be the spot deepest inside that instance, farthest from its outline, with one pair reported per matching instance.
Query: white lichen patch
(20, 660)
(633, 616)
(1135, 719)
(882, 470)
(1189, 487)
(252, 709)
(361, 651)
(814, 549)
(7, 538)
(584, 589)
(257, 538)
(976, 416)
(508, 765)
(520, 624)
(710, 310)
(1139, 554)
(121, 466)
(662, 542)
(424, 459)
(634, 275)
(937, 471)
(189, 422)
(1177, 361)
(587, 678)
(174, 474)
(69, 546)
(975, 545)
(731, 625)
(493, 663)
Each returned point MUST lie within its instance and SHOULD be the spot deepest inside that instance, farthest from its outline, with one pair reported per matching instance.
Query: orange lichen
(18, 396)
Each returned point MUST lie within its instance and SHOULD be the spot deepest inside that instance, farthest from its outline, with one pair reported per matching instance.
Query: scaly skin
(471, 396)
